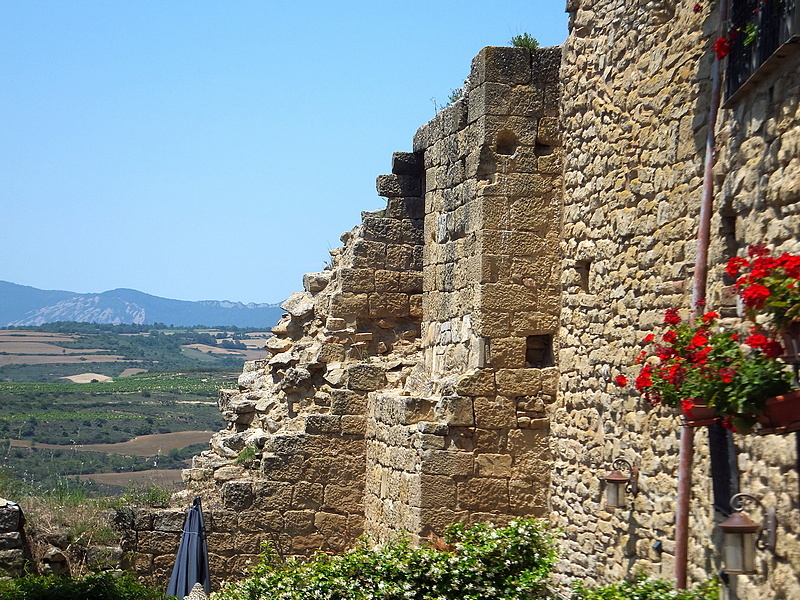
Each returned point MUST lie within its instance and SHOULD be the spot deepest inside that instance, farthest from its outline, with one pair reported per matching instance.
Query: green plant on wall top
(525, 40)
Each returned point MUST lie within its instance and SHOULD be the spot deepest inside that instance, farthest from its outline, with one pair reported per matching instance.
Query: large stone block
(405, 208)
(299, 304)
(343, 498)
(323, 424)
(493, 465)
(476, 383)
(388, 305)
(508, 353)
(316, 282)
(399, 257)
(299, 522)
(397, 186)
(433, 491)
(272, 495)
(349, 304)
(455, 410)
(10, 518)
(357, 280)
(387, 281)
(407, 163)
(495, 412)
(237, 495)
(365, 377)
(518, 382)
(446, 462)
(158, 542)
(483, 494)
(368, 254)
(501, 65)
(169, 520)
(261, 520)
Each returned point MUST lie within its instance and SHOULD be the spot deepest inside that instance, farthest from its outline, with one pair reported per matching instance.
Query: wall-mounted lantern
(743, 536)
(617, 484)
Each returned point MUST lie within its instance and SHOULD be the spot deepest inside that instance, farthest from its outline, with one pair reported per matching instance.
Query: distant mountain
(25, 305)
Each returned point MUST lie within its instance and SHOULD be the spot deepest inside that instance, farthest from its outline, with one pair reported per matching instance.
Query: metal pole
(698, 297)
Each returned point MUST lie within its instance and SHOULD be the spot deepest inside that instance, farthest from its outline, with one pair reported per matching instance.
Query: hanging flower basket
(781, 414)
(698, 415)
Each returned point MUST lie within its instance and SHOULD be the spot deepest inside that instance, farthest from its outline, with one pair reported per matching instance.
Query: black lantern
(743, 536)
(617, 484)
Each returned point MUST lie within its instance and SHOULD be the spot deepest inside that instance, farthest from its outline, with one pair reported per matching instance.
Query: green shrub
(105, 586)
(525, 40)
(643, 588)
(472, 563)
(246, 456)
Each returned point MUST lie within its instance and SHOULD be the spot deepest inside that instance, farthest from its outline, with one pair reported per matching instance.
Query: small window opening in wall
(583, 267)
(507, 142)
(542, 149)
(539, 351)
(727, 232)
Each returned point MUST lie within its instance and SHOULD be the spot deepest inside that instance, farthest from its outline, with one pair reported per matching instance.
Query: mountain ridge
(26, 305)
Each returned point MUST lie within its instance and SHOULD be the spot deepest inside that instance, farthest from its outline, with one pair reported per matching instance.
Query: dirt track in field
(144, 445)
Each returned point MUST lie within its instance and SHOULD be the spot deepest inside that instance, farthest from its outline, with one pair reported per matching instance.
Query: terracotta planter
(781, 414)
(699, 415)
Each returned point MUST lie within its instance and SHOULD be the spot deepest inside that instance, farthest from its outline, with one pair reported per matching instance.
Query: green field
(177, 394)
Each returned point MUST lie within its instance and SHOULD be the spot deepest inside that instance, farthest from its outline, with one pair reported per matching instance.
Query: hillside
(25, 305)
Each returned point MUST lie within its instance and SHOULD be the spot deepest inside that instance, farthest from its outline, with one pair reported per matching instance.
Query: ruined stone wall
(15, 554)
(636, 89)
(290, 466)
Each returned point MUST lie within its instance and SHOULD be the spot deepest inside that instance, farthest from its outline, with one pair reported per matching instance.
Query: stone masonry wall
(759, 202)
(636, 88)
(468, 439)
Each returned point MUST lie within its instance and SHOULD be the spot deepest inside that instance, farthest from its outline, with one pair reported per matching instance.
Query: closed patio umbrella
(191, 563)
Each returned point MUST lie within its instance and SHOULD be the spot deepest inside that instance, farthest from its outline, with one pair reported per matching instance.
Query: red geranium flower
(710, 316)
(698, 340)
(727, 374)
(756, 340)
(687, 404)
(734, 264)
(644, 380)
(791, 265)
(755, 296)
(672, 317)
(722, 47)
(621, 380)
(757, 250)
(670, 336)
(648, 338)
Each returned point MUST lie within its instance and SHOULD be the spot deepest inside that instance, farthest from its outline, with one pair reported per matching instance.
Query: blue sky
(217, 150)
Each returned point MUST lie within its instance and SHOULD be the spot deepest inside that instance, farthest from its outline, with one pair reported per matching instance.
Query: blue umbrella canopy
(191, 562)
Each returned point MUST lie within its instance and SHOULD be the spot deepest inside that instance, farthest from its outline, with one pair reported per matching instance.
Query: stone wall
(759, 202)
(15, 554)
(636, 82)
(456, 361)
(468, 441)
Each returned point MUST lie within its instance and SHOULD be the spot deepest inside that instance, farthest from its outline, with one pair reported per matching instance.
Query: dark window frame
(778, 36)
